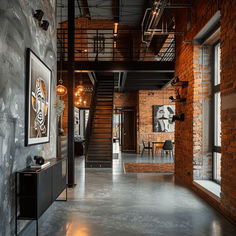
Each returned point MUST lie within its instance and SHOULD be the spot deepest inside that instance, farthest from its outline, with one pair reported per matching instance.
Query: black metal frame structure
(71, 82)
(115, 48)
(215, 90)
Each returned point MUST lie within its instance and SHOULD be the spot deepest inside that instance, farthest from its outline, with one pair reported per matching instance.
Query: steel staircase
(99, 138)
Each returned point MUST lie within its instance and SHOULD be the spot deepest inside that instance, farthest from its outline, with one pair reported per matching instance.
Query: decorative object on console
(39, 166)
(38, 100)
(39, 160)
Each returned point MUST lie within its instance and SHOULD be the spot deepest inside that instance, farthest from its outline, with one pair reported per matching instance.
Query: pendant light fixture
(61, 89)
(80, 90)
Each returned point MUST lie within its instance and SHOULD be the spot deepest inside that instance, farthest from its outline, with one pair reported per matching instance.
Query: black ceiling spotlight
(44, 25)
(38, 15)
(177, 82)
(179, 118)
(178, 98)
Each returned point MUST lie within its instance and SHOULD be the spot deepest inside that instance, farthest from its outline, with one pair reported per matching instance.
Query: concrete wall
(19, 30)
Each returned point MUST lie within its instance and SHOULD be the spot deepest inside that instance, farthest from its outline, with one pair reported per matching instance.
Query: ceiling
(128, 13)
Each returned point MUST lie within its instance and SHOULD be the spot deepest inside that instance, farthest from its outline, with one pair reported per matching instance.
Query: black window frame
(215, 90)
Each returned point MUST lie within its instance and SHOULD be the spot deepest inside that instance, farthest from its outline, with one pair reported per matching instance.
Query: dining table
(154, 143)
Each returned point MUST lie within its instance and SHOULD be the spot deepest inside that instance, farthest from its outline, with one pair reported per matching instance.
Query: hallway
(110, 202)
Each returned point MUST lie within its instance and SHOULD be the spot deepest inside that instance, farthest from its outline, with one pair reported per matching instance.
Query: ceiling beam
(147, 78)
(128, 83)
(142, 88)
(119, 66)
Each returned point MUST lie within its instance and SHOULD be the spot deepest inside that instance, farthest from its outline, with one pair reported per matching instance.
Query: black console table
(37, 189)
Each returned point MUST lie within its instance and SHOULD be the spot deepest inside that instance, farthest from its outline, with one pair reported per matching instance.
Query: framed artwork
(38, 105)
(162, 118)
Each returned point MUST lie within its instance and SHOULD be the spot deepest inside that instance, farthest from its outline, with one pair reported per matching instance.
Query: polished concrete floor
(110, 202)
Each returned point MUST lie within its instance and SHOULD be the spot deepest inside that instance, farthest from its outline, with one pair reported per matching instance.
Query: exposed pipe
(156, 12)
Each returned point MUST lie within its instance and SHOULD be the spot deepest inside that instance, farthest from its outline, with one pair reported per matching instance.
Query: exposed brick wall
(228, 114)
(143, 100)
(192, 155)
(146, 99)
(128, 99)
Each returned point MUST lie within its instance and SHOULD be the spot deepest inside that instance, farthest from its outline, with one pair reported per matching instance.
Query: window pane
(217, 125)
(217, 53)
(217, 120)
(217, 166)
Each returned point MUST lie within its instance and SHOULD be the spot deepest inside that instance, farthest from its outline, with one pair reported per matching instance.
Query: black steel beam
(142, 88)
(146, 79)
(119, 66)
(128, 84)
(70, 69)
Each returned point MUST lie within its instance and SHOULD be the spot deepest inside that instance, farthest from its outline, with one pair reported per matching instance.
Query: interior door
(128, 131)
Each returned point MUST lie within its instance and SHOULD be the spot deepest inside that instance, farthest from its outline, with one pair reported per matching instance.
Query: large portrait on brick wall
(38, 100)
(162, 118)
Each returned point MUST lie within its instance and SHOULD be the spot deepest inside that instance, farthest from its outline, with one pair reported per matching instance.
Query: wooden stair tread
(100, 141)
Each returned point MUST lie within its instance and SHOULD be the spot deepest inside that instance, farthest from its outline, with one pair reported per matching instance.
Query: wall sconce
(178, 98)
(44, 25)
(180, 117)
(177, 82)
(38, 15)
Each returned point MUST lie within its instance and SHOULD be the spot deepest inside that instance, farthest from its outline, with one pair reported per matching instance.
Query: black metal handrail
(103, 45)
(89, 124)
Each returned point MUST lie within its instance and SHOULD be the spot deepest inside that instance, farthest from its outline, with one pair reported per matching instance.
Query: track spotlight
(179, 118)
(38, 15)
(176, 82)
(178, 98)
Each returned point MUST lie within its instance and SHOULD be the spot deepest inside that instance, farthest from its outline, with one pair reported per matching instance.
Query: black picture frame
(38, 100)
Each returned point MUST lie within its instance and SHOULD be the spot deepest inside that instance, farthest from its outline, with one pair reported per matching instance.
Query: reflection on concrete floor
(111, 202)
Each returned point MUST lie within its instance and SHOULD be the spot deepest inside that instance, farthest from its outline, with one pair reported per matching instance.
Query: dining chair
(168, 148)
(145, 148)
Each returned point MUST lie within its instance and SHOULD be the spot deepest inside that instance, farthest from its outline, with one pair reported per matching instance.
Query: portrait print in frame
(162, 118)
(38, 100)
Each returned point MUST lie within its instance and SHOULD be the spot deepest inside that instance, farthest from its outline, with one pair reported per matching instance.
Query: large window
(217, 116)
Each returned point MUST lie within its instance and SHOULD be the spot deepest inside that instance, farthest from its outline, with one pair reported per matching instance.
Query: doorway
(128, 130)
